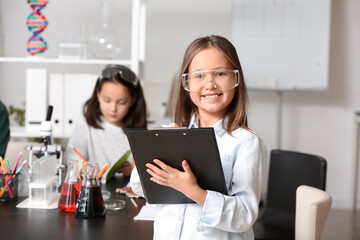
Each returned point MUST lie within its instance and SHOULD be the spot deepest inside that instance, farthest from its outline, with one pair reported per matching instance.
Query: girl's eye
(220, 74)
(123, 101)
(106, 100)
(197, 75)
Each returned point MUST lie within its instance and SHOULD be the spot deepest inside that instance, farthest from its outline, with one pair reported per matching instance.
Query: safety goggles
(125, 74)
(223, 79)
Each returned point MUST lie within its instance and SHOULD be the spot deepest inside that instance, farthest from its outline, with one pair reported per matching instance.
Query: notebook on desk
(171, 145)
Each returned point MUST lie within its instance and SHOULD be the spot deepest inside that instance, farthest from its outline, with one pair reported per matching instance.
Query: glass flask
(90, 203)
(71, 189)
(104, 41)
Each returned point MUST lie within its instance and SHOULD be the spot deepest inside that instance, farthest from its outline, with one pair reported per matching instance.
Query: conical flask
(104, 42)
(90, 203)
(71, 189)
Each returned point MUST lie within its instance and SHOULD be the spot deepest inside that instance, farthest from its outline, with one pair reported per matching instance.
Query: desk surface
(24, 223)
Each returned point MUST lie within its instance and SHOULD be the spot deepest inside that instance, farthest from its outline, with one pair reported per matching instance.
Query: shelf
(63, 61)
(20, 132)
(135, 61)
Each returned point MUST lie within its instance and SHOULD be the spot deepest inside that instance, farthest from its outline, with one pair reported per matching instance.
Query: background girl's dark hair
(237, 109)
(136, 115)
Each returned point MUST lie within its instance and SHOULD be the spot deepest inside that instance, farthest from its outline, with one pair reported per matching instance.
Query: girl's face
(115, 101)
(212, 101)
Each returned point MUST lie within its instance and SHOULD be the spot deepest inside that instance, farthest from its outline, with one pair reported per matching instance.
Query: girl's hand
(184, 182)
(126, 169)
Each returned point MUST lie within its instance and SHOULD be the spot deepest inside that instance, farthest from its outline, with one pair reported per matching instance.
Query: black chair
(287, 171)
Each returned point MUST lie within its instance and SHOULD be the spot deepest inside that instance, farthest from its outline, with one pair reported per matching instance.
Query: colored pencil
(82, 166)
(16, 163)
(21, 166)
(7, 167)
(2, 165)
(106, 166)
(78, 153)
(18, 170)
(2, 191)
(133, 202)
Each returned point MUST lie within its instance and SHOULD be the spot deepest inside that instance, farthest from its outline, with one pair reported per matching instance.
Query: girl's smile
(211, 96)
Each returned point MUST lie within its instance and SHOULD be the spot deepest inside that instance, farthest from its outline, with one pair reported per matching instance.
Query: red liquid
(69, 196)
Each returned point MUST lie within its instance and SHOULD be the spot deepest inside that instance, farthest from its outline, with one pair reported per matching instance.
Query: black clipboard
(172, 145)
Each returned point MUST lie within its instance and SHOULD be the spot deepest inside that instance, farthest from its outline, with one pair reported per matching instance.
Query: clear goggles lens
(222, 79)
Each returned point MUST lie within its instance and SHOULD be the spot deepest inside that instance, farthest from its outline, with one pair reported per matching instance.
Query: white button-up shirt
(222, 216)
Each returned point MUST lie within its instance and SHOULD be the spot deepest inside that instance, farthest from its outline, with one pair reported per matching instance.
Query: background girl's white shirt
(222, 216)
(98, 145)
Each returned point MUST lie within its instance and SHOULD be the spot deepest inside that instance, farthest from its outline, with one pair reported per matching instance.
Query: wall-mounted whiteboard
(283, 44)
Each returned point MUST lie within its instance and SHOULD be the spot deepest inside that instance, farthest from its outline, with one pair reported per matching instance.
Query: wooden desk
(24, 223)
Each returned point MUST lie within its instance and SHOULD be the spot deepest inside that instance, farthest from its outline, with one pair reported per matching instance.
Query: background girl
(212, 93)
(117, 103)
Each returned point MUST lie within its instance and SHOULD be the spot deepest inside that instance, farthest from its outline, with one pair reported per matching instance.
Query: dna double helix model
(36, 23)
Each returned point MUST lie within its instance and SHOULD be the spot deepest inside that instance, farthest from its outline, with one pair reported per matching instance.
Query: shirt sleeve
(237, 211)
(135, 182)
(5, 131)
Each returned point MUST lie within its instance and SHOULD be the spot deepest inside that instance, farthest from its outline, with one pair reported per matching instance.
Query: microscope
(45, 167)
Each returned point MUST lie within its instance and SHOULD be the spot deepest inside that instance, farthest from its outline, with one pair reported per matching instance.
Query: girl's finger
(163, 166)
(158, 171)
(153, 168)
(155, 180)
(155, 175)
(174, 125)
(186, 166)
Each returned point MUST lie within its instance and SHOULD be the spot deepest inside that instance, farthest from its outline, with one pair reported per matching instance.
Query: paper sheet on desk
(147, 212)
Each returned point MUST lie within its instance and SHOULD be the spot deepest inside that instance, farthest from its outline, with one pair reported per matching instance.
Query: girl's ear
(98, 95)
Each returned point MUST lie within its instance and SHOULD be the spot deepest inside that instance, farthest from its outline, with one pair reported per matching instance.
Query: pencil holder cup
(8, 187)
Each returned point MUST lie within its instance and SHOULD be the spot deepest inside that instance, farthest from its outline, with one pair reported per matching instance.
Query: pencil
(16, 163)
(133, 202)
(17, 171)
(106, 166)
(2, 191)
(7, 167)
(21, 166)
(82, 166)
(2, 165)
(78, 153)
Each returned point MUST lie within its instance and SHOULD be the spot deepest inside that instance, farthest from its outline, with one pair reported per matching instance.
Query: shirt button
(180, 218)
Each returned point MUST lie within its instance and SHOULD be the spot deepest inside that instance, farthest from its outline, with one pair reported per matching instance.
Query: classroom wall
(314, 122)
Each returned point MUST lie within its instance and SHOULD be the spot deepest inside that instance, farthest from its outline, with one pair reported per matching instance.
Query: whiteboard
(283, 44)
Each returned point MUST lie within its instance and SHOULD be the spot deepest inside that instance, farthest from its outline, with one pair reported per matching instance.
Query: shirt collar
(218, 127)
(194, 121)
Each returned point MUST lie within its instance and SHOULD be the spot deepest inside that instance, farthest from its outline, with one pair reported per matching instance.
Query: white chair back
(312, 208)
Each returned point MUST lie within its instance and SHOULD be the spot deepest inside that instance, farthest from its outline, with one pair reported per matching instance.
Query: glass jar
(71, 188)
(90, 203)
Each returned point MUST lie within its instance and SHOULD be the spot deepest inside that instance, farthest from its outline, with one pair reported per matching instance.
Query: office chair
(288, 170)
(312, 208)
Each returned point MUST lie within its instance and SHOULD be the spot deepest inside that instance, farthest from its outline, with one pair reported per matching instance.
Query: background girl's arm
(125, 169)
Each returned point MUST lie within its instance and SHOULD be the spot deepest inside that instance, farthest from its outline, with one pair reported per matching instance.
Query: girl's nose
(210, 84)
(113, 106)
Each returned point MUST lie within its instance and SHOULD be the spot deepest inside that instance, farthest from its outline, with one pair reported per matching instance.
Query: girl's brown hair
(237, 109)
(136, 115)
